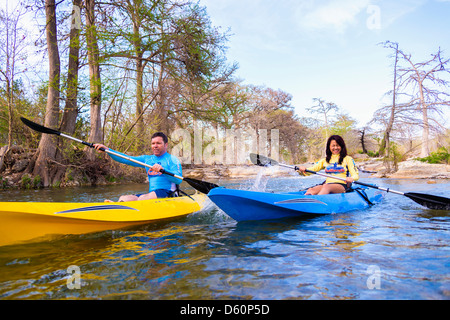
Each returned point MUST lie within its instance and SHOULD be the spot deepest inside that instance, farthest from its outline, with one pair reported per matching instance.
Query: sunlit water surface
(394, 250)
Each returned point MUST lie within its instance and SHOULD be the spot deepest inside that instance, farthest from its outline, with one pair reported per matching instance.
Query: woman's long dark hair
(340, 142)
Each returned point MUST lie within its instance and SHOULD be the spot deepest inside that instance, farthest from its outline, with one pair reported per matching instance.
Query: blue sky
(328, 48)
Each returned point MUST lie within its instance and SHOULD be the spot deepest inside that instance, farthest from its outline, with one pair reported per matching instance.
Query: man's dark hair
(162, 135)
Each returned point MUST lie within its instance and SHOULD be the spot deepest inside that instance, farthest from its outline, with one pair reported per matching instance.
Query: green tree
(47, 144)
(95, 134)
(13, 42)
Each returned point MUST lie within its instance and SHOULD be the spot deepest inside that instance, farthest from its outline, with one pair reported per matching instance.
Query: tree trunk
(139, 102)
(95, 135)
(47, 146)
(70, 110)
(139, 82)
(385, 145)
(363, 142)
(425, 150)
(160, 110)
(70, 114)
(9, 97)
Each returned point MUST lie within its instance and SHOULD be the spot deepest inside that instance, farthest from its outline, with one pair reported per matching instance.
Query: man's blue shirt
(156, 180)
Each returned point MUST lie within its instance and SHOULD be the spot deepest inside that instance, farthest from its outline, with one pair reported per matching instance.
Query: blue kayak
(242, 205)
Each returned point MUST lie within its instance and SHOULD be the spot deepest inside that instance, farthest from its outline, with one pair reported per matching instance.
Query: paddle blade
(262, 161)
(202, 186)
(430, 201)
(38, 127)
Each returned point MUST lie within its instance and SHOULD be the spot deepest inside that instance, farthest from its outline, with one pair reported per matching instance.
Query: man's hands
(99, 147)
(155, 168)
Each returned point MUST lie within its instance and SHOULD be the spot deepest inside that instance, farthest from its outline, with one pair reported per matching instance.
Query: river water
(393, 250)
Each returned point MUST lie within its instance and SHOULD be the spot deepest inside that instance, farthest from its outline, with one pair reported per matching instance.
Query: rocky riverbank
(410, 169)
(375, 168)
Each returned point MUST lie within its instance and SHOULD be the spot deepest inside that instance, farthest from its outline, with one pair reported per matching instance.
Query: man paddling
(160, 186)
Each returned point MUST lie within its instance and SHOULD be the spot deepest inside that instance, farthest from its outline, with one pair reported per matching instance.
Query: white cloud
(334, 14)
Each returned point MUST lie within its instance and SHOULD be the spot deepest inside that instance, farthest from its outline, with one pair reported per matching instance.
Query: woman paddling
(336, 163)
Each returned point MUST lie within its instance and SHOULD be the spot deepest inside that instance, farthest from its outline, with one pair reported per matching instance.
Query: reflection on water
(207, 255)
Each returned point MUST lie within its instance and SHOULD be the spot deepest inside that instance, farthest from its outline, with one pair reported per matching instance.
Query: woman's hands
(301, 169)
(349, 181)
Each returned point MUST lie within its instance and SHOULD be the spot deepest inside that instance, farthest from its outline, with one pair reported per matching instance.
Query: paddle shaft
(91, 145)
(342, 179)
(201, 186)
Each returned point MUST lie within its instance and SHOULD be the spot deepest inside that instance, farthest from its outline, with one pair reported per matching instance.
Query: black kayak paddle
(426, 200)
(202, 186)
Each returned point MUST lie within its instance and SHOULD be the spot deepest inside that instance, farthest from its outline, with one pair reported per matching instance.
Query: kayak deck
(23, 221)
(242, 205)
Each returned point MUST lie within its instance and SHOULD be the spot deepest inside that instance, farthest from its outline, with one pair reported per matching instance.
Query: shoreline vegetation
(104, 171)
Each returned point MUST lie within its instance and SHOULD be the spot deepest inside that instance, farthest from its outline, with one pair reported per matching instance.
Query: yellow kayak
(23, 221)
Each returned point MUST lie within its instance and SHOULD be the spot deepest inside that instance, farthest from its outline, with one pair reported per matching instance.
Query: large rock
(372, 166)
(20, 165)
(421, 170)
